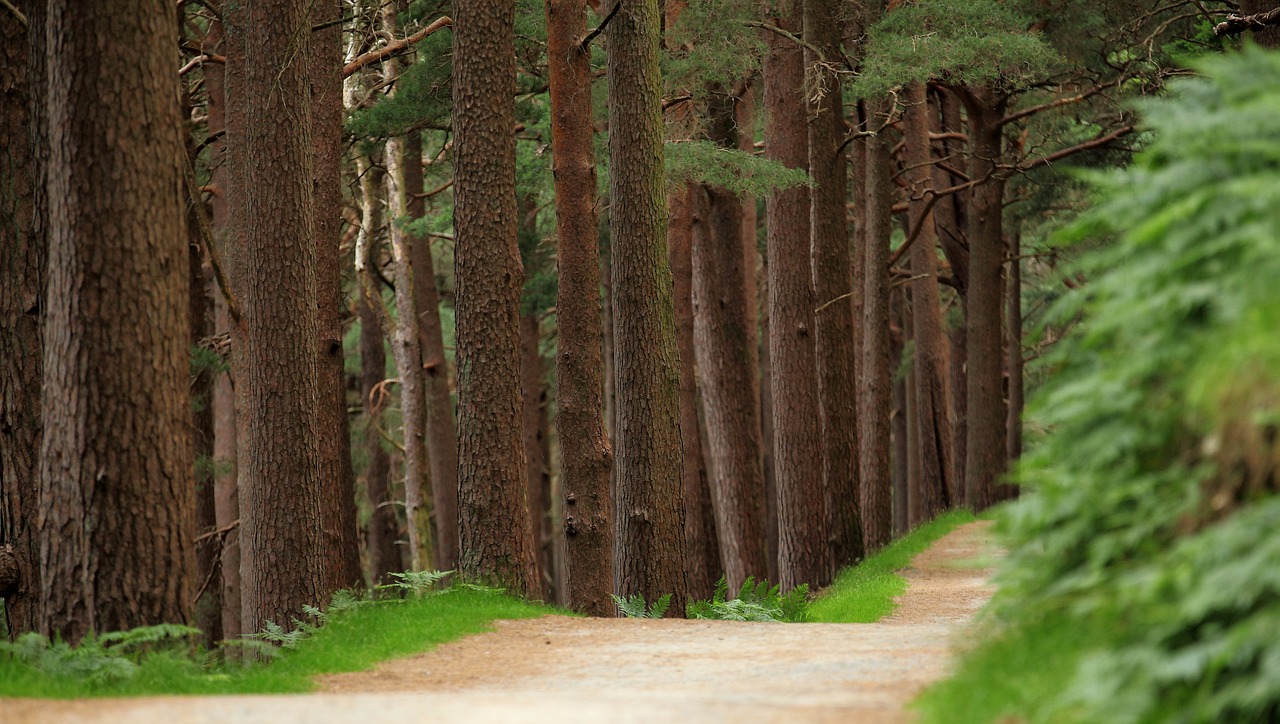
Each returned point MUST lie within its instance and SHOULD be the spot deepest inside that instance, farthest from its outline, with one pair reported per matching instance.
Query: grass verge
(353, 641)
(864, 593)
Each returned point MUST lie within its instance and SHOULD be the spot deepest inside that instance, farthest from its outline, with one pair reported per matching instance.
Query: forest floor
(560, 669)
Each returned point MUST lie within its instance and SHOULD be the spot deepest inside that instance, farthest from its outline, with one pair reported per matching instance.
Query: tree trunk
(23, 159)
(116, 447)
(1013, 351)
(898, 424)
(915, 501)
(586, 456)
(832, 286)
(533, 375)
(341, 552)
(724, 345)
(223, 395)
(278, 377)
(802, 518)
(986, 445)
(702, 549)
(874, 394)
(226, 498)
(441, 433)
(384, 531)
(496, 541)
(951, 220)
(929, 364)
(649, 549)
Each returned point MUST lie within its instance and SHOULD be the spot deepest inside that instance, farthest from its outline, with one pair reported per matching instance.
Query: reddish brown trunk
(1013, 354)
(341, 550)
(802, 520)
(649, 505)
(986, 444)
(929, 362)
(533, 375)
(874, 384)
(116, 446)
(496, 543)
(832, 288)
(441, 433)
(701, 547)
(586, 457)
(727, 365)
(23, 156)
(898, 424)
(277, 371)
(915, 499)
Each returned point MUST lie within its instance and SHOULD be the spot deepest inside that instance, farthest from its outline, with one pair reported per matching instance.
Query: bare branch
(1098, 142)
(1236, 24)
(206, 236)
(586, 40)
(394, 47)
(17, 14)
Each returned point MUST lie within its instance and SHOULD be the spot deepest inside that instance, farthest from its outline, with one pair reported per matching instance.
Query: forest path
(557, 669)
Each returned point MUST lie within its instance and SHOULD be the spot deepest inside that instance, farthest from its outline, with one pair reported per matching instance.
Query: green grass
(864, 593)
(352, 641)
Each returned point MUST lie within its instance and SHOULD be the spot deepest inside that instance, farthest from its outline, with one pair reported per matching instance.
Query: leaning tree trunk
(649, 549)
(341, 550)
(116, 448)
(874, 393)
(277, 371)
(929, 361)
(586, 457)
(441, 433)
(23, 156)
(986, 444)
(834, 326)
(797, 442)
(493, 516)
(724, 345)
(702, 551)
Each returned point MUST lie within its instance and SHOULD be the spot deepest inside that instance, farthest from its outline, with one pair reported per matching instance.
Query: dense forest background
(616, 298)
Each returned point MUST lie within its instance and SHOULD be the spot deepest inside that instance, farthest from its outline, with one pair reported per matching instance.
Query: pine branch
(394, 47)
(1236, 24)
(586, 41)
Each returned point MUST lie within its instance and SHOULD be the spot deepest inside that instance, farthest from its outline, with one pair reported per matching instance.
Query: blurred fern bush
(1151, 516)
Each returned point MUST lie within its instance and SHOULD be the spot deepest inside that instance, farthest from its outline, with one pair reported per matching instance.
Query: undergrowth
(864, 593)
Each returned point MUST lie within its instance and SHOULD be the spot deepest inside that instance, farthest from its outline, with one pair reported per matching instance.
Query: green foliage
(737, 171)
(864, 593)
(635, 606)
(417, 583)
(423, 97)
(963, 42)
(98, 661)
(754, 602)
(711, 45)
(1149, 526)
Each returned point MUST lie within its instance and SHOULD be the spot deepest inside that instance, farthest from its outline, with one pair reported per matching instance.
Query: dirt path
(559, 670)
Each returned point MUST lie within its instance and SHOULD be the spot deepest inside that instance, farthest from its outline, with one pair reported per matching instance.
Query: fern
(418, 583)
(635, 607)
(755, 601)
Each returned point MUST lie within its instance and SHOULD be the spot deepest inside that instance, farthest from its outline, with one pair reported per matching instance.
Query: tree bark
(496, 541)
(832, 285)
(23, 251)
(1013, 351)
(533, 375)
(724, 344)
(929, 361)
(341, 550)
(898, 424)
(441, 432)
(649, 556)
(278, 377)
(701, 546)
(986, 444)
(951, 222)
(874, 394)
(116, 448)
(802, 519)
(586, 456)
(226, 497)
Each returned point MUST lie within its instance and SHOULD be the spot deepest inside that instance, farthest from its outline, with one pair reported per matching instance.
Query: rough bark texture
(1270, 37)
(441, 432)
(929, 360)
(832, 284)
(277, 371)
(801, 500)
(341, 550)
(226, 498)
(725, 347)
(702, 549)
(383, 530)
(985, 448)
(898, 423)
(649, 549)
(22, 274)
(874, 394)
(533, 382)
(1013, 351)
(493, 518)
(586, 456)
(115, 472)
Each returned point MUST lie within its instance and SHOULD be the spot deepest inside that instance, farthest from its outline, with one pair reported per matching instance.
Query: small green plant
(98, 660)
(635, 607)
(417, 583)
(755, 601)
